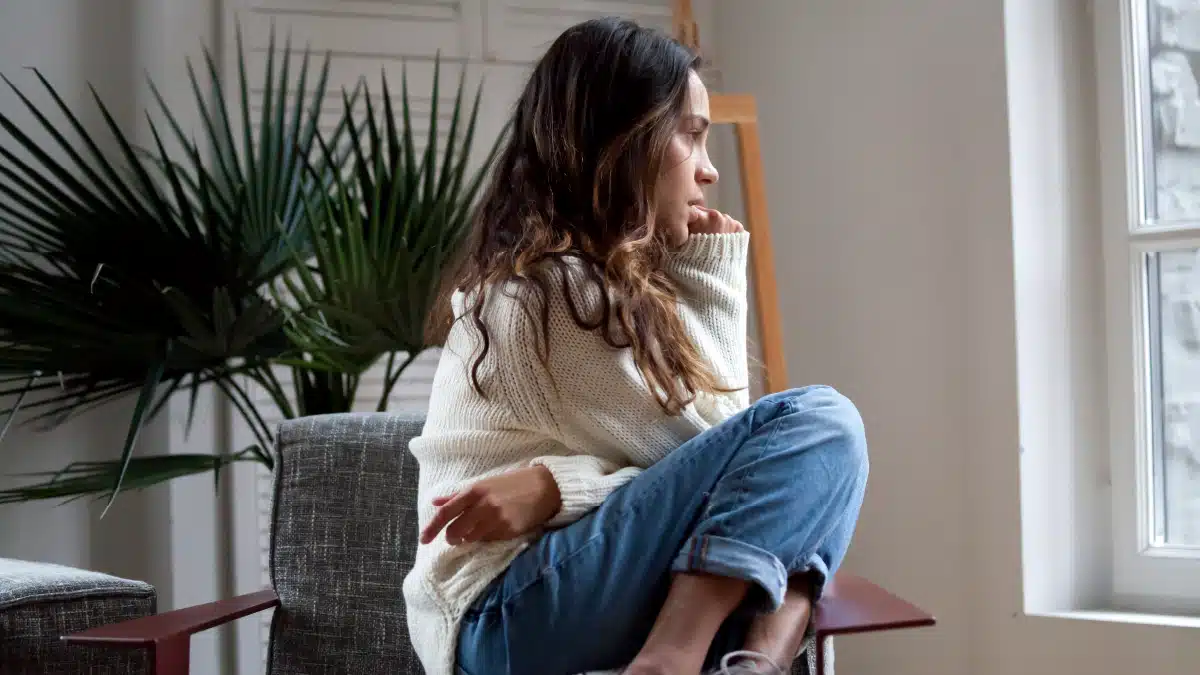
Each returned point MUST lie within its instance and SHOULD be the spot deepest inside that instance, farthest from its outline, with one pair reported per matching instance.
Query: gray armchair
(343, 538)
(40, 602)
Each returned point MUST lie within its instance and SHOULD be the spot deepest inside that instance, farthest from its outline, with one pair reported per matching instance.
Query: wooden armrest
(168, 635)
(851, 604)
(149, 630)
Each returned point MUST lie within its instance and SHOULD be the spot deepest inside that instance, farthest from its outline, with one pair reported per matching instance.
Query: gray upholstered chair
(40, 602)
(343, 537)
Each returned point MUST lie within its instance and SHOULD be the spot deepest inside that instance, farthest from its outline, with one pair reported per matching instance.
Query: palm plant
(279, 246)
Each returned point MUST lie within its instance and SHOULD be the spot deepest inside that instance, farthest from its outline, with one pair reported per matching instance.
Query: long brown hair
(575, 184)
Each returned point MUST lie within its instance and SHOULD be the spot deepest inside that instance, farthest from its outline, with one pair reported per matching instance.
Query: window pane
(1169, 31)
(1174, 296)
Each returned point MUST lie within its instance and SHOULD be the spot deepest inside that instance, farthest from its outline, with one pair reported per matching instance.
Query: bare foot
(780, 635)
(696, 606)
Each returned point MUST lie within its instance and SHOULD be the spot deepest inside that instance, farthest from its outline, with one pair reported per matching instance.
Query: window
(1151, 213)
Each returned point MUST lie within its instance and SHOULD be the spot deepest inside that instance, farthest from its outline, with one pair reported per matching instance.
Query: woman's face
(686, 168)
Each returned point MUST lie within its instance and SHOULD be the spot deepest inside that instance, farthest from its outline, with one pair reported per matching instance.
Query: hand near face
(704, 220)
(496, 509)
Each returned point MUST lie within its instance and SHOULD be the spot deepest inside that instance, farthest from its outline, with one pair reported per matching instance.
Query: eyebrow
(703, 121)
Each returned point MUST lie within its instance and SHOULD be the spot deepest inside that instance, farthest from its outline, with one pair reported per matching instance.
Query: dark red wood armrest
(168, 634)
(851, 604)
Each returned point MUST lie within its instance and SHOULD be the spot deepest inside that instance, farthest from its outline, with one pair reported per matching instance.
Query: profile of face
(686, 168)
(597, 163)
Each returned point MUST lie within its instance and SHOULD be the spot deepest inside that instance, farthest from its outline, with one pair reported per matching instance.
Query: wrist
(551, 495)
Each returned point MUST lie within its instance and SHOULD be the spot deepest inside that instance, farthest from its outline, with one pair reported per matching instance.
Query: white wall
(887, 154)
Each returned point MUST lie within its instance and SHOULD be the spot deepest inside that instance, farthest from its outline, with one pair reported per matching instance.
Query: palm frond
(383, 237)
(95, 479)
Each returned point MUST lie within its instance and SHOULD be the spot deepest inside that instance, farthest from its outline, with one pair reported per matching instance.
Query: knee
(830, 414)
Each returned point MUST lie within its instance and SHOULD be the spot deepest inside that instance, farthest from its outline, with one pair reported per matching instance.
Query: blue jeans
(772, 492)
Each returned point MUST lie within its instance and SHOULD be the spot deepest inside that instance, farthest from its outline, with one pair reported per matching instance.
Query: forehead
(697, 96)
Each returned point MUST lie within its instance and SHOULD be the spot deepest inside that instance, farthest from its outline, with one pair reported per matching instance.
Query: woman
(596, 491)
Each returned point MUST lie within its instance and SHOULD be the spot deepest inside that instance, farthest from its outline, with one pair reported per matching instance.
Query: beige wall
(887, 153)
(868, 194)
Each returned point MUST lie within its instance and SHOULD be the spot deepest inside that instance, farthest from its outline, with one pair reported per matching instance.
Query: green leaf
(17, 405)
(95, 479)
(153, 377)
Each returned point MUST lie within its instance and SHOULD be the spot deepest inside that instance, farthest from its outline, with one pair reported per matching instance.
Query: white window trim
(1145, 576)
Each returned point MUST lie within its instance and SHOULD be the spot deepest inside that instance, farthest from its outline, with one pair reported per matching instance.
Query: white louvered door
(495, 40)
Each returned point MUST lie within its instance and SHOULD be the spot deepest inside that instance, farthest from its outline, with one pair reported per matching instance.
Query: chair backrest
(343, 537)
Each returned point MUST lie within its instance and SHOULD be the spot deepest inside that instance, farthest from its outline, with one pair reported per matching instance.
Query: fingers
(448, 511)
(710, 221)
(464, 528)
(465, 520)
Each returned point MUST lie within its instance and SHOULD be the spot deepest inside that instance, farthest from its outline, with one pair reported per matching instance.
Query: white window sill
(1122, 616)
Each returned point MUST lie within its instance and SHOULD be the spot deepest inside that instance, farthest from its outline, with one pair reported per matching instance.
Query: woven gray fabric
(41, 602)
(344, 535)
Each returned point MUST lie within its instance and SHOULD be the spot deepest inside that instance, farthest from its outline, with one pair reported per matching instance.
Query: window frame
(1146, 576)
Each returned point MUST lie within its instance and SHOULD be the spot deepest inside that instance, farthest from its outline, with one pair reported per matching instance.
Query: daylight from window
(1173, 276)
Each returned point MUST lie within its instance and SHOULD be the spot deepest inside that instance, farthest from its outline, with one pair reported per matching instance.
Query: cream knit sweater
(589, 418)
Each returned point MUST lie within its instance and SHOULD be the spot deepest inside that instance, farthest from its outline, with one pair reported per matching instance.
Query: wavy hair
(575, 184)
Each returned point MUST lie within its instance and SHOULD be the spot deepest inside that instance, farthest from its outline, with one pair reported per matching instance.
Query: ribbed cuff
(582, 484)
(721, 255)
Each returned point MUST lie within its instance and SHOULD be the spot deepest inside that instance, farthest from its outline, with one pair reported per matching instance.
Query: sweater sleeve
(584, 480)
(710, 273)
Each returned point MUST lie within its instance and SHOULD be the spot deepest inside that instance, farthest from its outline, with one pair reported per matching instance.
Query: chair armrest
(851, 604)
(153, 630)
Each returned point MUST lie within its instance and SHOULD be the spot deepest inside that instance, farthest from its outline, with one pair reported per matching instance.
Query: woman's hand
(711, 221)
(497, 508)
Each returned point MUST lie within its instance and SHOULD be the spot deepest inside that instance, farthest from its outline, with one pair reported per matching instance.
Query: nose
(706, 173)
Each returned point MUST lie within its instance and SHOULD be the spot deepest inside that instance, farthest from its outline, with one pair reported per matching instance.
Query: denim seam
(698, 550)
(804, 557)
(739, 488)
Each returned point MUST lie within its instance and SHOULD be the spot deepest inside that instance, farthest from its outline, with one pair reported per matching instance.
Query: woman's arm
(535, 392)
(710, 273)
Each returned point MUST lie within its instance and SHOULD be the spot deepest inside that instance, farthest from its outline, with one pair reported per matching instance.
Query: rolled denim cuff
(731, 558)
(818, 570)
